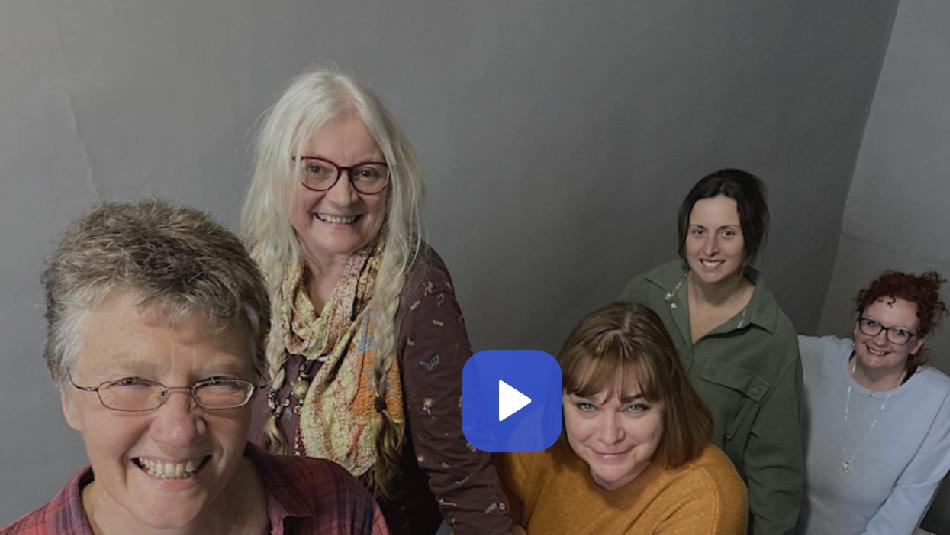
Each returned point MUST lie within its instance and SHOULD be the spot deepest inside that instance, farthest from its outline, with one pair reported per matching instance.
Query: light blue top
(893, 468)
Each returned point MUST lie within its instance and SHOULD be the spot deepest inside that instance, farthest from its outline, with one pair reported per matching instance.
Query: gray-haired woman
(366, 356)
(156, 322)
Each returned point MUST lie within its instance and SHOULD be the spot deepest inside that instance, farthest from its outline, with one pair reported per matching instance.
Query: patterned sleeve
(433, 346)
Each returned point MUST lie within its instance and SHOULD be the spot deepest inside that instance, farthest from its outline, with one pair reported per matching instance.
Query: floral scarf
(339, 418)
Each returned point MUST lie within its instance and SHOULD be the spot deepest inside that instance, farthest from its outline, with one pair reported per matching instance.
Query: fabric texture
(552, 491)
(304, 497)
(748, 372)
(442, 475)
(343, 337)
(894, 468)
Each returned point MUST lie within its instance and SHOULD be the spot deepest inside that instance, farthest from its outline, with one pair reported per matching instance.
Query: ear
(917, 346)
(69, 410)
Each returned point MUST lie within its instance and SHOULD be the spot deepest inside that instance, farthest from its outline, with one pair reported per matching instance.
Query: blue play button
(511, 400)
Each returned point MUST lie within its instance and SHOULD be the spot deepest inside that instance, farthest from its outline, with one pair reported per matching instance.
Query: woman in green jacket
(738, 347)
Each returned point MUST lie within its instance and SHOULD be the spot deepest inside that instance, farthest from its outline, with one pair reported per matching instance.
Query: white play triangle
(510, 400)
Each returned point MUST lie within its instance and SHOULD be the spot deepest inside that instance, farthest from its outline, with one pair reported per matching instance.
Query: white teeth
(339, 220)
(169, 470)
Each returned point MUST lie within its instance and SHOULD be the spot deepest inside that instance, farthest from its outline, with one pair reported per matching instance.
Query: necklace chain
(846, 463)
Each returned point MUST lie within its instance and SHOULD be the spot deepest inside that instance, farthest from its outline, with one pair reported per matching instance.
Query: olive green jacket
(749, 373)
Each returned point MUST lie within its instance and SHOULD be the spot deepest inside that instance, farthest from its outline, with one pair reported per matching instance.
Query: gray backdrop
(558, 138)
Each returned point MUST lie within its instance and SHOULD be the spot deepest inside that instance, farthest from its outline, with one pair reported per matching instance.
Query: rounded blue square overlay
(516, 376)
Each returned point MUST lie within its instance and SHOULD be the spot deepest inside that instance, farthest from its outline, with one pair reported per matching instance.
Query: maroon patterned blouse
(443, 476)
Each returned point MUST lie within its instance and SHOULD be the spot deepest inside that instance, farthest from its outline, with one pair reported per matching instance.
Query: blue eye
(636, 407)
(583, 406)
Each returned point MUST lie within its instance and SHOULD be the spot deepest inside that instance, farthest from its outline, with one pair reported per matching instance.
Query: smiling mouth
(711, 263)
(164, 470)
(611, 454)
(876, 352)
(337, 219)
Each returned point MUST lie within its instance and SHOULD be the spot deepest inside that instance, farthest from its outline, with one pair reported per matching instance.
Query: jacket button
(672, 305)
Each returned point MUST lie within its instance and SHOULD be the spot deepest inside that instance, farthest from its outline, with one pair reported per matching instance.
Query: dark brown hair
(749, 193)
(620, 337)
(922, 290)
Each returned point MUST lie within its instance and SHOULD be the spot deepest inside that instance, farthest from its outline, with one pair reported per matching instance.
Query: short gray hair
(173, 257)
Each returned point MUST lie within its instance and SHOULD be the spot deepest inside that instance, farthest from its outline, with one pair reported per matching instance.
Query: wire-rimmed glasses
(897, 335)
(319, 174)
(134, 394)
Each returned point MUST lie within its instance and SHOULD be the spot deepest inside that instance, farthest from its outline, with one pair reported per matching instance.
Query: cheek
(376, 206)
(108, 439)
(576, 427)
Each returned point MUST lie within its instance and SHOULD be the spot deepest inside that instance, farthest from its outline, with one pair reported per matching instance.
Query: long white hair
(312, 98)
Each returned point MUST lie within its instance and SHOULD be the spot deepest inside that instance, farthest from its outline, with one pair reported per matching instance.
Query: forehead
(343, 136)
(893, 311)
(118, 334)
(718, 210)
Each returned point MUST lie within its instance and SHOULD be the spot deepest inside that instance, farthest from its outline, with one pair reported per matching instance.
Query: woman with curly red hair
(877, 417)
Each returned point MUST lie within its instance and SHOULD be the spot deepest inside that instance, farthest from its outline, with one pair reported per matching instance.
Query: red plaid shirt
(304, 496)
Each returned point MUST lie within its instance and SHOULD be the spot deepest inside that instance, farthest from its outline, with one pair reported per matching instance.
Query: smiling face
(169, 467)
(331, 225)
(615, 437)
(714, 245)
(877, 354)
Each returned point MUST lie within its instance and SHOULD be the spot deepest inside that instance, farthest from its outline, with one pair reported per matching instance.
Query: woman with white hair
(366, 355)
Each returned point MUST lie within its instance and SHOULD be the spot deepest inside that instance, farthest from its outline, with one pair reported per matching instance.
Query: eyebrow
(368, 159)
(625, 399)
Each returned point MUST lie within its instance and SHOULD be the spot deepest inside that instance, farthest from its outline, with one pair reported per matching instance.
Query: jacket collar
(762, 310)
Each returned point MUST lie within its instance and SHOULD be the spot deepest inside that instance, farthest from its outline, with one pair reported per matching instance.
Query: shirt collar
(761, 310)
(65, 514)
(283, 498)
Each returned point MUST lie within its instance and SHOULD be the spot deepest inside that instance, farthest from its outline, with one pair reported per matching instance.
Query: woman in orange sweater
(636, 455)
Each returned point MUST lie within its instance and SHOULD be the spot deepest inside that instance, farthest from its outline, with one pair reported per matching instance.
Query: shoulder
(533, 479)
(714, 471)
(62, 514)
(427, 264)
(653, 282)
(934, 381)
(33, 522)
(822, 348)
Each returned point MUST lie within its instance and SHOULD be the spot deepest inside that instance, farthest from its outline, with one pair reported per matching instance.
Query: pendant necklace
(846, 463)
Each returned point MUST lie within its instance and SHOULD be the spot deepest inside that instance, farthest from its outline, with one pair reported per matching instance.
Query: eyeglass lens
(320, 175)
(143, 396)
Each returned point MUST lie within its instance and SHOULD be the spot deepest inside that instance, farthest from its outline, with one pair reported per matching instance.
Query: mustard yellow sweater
(552, 492)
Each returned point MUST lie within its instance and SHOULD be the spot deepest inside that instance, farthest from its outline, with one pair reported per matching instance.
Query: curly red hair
(922, 290)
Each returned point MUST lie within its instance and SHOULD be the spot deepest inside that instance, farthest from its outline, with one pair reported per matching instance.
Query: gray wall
(896, 215)
(558, 138)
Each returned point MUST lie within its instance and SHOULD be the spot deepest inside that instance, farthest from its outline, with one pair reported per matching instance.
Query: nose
(711, 244)
(880, 338)
(610, 432)
(343, 192)
(178, 422)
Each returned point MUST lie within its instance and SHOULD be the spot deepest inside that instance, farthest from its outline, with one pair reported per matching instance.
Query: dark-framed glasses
(320, 174)
(897, 335)
(134, 394)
